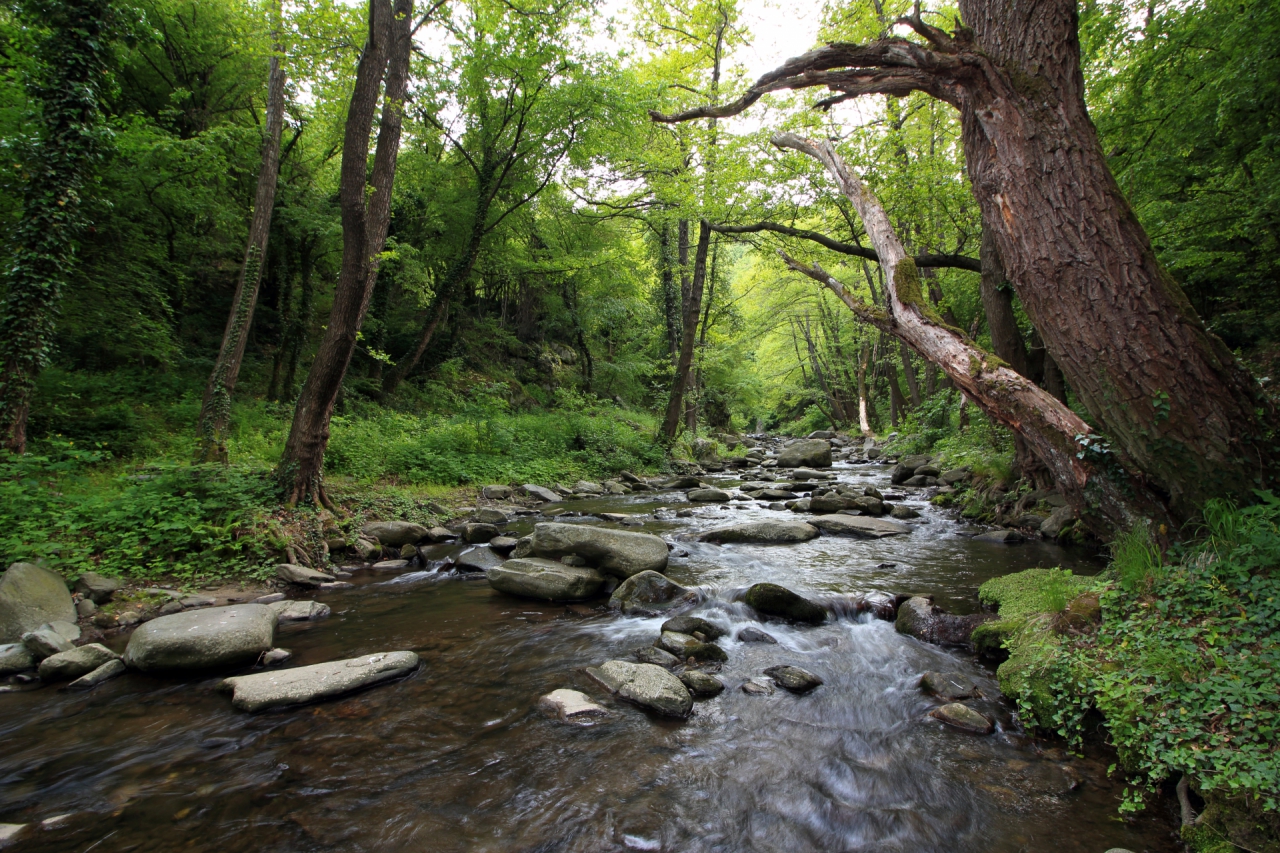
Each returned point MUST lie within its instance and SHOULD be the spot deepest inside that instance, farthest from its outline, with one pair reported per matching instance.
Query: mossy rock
(1030, 592)
(1241, 820)
(1026, 675)
(989, 638)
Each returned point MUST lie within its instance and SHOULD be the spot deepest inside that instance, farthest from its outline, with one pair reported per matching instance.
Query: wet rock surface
(302, 684)
(762, 532)
(793, 678)
(773, 600)
(534, 577)
(651, 594)
(212, 638)
(31, 596)
(646, 685)
(620, 553)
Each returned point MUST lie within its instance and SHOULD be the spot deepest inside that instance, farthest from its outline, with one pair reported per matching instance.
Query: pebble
(755, 635)
(755, 687)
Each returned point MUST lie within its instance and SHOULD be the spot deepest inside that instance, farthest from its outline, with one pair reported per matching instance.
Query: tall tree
(365, 201)
(69, 83)
(215, 411)
(1171, 398)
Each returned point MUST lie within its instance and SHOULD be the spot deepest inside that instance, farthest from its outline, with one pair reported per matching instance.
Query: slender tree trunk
(215, 411)
(410, 360)
(909, 373)
(365, 217)
(897, 402)
(997, 303)
(692, 308)
(1107, 500)
(671, 301)
(864, 419)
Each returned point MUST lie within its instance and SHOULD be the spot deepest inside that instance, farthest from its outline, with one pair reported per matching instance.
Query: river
(459, 758)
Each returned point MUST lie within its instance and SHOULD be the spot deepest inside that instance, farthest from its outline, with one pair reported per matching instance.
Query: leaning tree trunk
(215, 411)
(688, 334)
(1106, 500)
(365, 217)
(1168, 394)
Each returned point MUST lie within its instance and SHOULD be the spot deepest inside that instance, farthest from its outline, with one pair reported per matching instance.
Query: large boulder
(918, 617)
(211, 638)
(299, 611)
(964, 718)
(617, 552)
(831, 502)
(30, 596)
(708, 495)
(76, 662)
(541, 493)
(301, 575)
(694, 625)
(684, 647)
(394, 534)
(773, 600)
(651, 594)
(765, 532)
(319, 681)
(533, 577)
(14, 658)
(859, 525)
(1053, 526)
(808, 453)
(646, 685)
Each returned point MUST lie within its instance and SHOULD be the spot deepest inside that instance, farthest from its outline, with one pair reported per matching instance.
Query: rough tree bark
(1169, 395)
(1106, 499)
(365, 217)
(215, 411)
(997, 304)
(688, 334)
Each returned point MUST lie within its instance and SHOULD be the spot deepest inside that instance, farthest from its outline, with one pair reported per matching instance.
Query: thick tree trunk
(365, 217)
(215, 411)
(688, 337)
(1107, 500)
(1170, 397)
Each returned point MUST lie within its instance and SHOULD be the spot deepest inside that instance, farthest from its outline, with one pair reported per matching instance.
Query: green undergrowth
(1181, 659)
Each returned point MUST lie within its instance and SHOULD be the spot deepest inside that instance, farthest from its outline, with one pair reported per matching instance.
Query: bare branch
(927, 259)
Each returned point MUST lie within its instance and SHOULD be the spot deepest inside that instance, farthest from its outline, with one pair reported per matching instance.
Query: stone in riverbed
(1005, 537)
(762, 532)
(903, 512)
(621, 553)
(757, 687)
(275, 657)
(547, 580)
(490, 515)
(441, 534)
(301, 575)
(657, 657)
(14, 658)
(391, 566)
(75, 662)
(646, 685)
(794, 678)
(650, 594)
(948, 685)
(479, 559)
(811, 453)
(211, 638)
(47, 640)
(708, 496)
(478, 532)
(694, 625)
(97, 588)
(299, 611)
(918, 617)
(31, 596)
(107, 671)
(319, 681)
(684, 647)
(394, 534)
(773, 600)
(570, 705)
(504, 544)
(540, 493)
(964, 718)
(700, 684)
(858, 525)
(496, 493)
(755, 635)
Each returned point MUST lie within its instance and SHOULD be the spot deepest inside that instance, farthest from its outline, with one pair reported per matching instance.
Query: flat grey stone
(267, 599)
(75, 662)
(757, 687)
(540, 492)
(31, 596)
(794, 678)
(479, 559)
(275, 657)
(194, 601)
(964, 718)
(299, 611)
(203, 639)
(533, 577)
(391, 566)
(708, 495)
(107, 671)
(97, 588)
(621, 553)
(948, 685)
(657, 657)
(859, 525)
(301, 575)
(394, 534)
(319, 681)
(755, 635)
(700, 684)
(646, 685)
(766, 532)
(45, 641)
(570, 705)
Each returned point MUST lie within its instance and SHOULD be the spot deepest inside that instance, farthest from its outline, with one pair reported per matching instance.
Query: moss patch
(1033, 591)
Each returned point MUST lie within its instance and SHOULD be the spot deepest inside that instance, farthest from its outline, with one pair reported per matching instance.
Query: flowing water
(458, 757)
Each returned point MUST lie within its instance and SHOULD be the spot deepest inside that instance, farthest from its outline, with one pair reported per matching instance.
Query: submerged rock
(757, 687)
(948, 685)
(1007, 537)
(203, 639)
(694, 625)
(30, 596)
(773, 600)
(547, 580)
(646, 685)
(75, 662)
(651, 594)
(621, 553)
(918, 617)
(810, 453)
(318, 681)
(963, 717)
(794, 678)
(755, 635)
(859, 525)
(700, 684)
(762, 532)
(571, 705)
